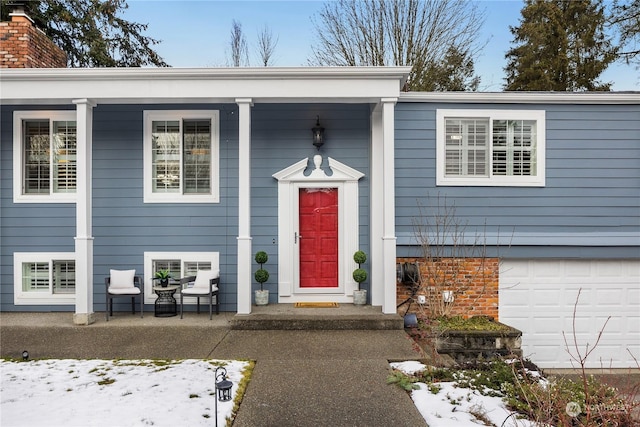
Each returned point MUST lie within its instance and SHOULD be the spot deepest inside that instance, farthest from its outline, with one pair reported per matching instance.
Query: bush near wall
(480, 298)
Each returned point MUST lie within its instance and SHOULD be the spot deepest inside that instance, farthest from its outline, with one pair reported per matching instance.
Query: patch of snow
(455, 406)
(108, 393)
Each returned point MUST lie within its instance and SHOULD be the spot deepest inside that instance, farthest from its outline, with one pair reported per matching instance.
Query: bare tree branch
(266, 45)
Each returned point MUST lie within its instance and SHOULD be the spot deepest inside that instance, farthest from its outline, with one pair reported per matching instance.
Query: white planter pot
(360, 297)
(262, 297)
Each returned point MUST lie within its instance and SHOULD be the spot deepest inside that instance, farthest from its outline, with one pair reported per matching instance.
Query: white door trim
(290, 180)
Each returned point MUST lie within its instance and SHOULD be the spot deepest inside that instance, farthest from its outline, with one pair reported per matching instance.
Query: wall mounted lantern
(318, 134)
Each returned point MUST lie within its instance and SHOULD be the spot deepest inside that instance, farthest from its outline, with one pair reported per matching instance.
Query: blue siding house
(188, 169)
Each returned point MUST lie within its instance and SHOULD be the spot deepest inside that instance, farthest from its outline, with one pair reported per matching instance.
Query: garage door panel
(633, 325)
(546, 297)
(576, 270)
(538, 297)
(610, 296)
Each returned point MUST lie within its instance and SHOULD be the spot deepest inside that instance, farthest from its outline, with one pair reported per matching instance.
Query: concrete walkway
(301, 377)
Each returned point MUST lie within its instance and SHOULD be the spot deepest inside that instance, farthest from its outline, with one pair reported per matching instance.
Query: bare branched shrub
(585, 402)
(454, 260)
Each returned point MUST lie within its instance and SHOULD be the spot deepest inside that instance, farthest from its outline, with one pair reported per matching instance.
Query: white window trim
(18, 157)
(507, 181)
(149, 295)
(149, 195)
(21, 297)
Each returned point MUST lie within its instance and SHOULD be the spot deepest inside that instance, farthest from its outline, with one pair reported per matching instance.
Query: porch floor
(343, 317)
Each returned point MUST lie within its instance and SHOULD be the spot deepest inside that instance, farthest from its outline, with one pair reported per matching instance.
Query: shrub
(359, 275)
(262, 257)
(360, 257)
(262, 276)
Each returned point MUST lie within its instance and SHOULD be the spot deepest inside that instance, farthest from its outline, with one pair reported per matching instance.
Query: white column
(244, 206)
(84, 240)
(389, 211)
(377, 204)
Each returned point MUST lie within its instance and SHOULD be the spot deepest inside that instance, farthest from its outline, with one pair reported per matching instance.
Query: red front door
(318, 237)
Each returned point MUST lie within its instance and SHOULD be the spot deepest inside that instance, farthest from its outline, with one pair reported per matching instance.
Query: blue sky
(196, 33)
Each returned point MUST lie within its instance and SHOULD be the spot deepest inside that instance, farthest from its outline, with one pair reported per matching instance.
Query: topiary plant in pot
(360, 275)
(261, 276)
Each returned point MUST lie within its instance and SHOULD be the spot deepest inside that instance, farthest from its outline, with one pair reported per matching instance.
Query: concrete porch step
(343, 317)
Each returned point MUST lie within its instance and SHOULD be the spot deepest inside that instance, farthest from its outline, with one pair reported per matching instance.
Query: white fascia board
(175, 85)
(523, 97)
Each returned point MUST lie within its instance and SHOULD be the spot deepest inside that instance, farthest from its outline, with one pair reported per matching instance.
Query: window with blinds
(47, 153)
(490, 147)
(181, 163)
(44, 278)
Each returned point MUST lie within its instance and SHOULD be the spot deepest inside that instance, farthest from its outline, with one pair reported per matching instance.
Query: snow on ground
(95, 393)
(108, 393)
(455, 406)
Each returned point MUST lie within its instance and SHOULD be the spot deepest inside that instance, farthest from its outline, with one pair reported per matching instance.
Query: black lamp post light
(223, 388)
(318, 134)
(25, 355)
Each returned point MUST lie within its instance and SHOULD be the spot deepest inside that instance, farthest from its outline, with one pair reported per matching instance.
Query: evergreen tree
(91, 32)
(560, 45)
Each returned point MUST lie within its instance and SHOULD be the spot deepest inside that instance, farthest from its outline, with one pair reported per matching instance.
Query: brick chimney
(22, 45)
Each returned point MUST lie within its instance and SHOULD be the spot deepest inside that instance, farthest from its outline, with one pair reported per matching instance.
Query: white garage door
(538, 297)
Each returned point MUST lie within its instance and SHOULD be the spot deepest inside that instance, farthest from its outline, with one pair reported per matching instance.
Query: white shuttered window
(44, 278)
(181, 156)
(490, 147)
(45, 144)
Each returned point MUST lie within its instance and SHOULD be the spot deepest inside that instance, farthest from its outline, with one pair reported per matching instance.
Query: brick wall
(478, 295)
(22, 45)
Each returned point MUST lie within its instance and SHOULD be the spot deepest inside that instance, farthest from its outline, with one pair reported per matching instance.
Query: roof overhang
(522, 97)
(198, 85)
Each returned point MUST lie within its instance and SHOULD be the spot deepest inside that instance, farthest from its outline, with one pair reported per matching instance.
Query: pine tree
(560, 45)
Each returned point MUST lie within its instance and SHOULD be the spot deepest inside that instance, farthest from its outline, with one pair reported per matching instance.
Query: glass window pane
(35, 277)
(514, 147)
(36, 156)
(191, 267)
(197, 156)
(64, 277)
(166, 156)
(173, 265)
(64, 157)
(466, 147)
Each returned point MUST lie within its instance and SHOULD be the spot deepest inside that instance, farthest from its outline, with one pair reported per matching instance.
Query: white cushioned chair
(204, 284)
(123, 283)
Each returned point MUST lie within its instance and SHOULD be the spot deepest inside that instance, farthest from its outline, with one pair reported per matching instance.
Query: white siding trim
(521, 97)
